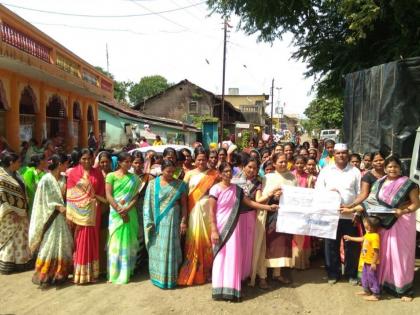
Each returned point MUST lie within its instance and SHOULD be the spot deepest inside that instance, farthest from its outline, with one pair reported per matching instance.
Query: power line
(159, 14)
(108, 16)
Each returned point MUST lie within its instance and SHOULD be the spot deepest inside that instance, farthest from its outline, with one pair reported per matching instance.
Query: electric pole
(272, 106)
(222, 111)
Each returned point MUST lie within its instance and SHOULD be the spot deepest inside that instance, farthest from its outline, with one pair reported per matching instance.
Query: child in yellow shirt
(370, 258)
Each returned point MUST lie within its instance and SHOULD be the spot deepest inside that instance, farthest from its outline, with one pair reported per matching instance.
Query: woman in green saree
(122, 189)
(165, 219)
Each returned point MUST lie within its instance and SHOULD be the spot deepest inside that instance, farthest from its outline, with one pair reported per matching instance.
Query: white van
(415, 169)
(333, 134)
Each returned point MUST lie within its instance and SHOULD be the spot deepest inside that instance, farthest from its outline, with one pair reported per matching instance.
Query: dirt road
(310, 294)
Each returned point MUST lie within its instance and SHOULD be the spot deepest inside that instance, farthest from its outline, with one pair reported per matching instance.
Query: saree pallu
(198, 260)
(49, 234)
(123, 236)
(398, 237)
(247, 220)
(302, 244)
(227, 264)
(161, 225)
(85, 213)
(14, 250)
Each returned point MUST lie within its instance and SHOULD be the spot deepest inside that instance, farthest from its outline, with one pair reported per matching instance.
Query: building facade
(46, 91)
(189, 103)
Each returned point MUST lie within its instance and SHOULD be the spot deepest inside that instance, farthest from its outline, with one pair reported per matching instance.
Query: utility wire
(108, 16)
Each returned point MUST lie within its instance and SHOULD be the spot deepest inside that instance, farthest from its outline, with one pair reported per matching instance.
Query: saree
(301, 244)
(161, 224)
(123, 242)
(14, 249)
(85, 213)
(49, 234)
(247, 221)
(398, 236)
(31, 177)
(271, 249)
(227, 264)
(196, 267)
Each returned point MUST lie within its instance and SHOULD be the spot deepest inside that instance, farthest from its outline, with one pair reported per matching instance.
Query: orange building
(46, 91)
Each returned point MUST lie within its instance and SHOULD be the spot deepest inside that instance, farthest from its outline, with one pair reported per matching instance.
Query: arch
(28, 102)
(77, 112)
(56, 123)
(55, 107)
(90, 114)
(4, 105)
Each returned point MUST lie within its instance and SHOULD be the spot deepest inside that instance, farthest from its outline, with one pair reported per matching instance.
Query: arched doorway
(3, 107)
(27, 111)
(90, 120)
(77, 117)
(56, 123)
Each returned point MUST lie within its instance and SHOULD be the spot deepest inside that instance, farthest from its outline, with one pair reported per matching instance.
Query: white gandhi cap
(340, 147)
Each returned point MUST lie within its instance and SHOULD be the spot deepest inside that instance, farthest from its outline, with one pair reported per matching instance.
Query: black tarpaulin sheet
(382, 107)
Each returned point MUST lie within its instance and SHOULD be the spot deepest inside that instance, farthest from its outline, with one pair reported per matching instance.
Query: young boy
(369, 257)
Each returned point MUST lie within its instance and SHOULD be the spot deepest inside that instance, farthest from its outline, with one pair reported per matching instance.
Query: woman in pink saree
(400, 197)
(225, 199)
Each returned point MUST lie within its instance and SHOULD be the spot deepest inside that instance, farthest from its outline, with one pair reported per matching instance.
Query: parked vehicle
(333, 134)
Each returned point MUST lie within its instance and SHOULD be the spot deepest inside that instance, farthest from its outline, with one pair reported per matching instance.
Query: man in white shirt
(345, 179)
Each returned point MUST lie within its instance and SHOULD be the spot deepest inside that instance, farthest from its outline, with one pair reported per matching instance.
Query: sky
(184, 43)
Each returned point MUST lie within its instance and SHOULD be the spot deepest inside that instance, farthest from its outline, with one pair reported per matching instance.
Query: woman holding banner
(272, 249)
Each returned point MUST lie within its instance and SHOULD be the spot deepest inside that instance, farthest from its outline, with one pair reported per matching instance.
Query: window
(248, 108)
(193, 107)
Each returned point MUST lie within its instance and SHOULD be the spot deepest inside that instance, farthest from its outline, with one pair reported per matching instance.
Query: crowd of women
(206, 217)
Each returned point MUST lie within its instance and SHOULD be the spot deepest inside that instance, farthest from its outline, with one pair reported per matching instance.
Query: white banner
(305, 211)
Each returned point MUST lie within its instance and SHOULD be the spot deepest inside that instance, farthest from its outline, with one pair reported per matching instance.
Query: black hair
(46, 143)
(33, 141)
(201, 150)
(223, 165)
(86, 151)
(137, 155)
(55, 160)
(329, 141)
(104, 154)
(276, 156)
(356, 155)
(279, 145)
(236, 159)
(185, 150)
(368, 154)
(301, 157)
(122, 156)
(291, 145)
(255, 152)
(311, 158)
(264, 151)
(374, 222)
(222, 149)
(247, 159)
(393, 158)
(166, 164)
(169, 151)
(36, 160)
(7, 158)
(381, 153)
(268, 163)
(74, 157)
(209, 152)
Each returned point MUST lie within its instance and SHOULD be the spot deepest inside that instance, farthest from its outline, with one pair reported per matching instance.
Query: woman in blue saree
(165, 219)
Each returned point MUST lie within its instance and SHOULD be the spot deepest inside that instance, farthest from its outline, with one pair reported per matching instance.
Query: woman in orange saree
(85, 191)
(196, 268)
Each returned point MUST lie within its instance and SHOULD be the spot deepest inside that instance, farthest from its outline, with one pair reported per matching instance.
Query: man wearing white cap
(345, 179)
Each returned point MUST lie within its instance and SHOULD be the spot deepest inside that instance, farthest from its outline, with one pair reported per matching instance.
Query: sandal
(283, 280)
(263, 285)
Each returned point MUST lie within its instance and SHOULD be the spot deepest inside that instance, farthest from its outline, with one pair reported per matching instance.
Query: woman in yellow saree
(198, 252)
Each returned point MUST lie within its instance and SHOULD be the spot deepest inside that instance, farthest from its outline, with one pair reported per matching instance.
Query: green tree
(334, 37)
(324, 113)
(147, 87)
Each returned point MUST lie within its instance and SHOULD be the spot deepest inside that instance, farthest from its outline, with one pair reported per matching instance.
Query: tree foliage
(147, 87)
(334, 37)
(121, 88)
(324, 113)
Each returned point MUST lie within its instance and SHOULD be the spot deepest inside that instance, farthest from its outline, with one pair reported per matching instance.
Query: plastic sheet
(382, 107)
